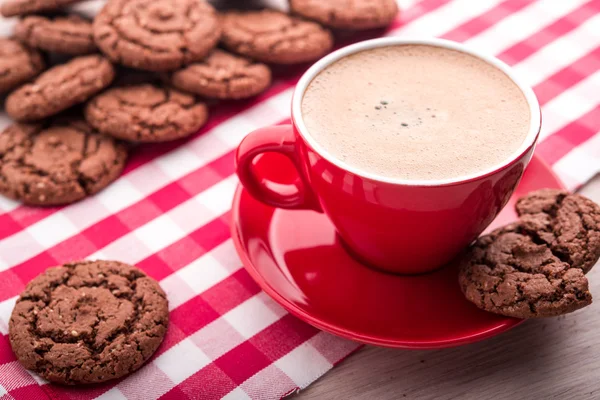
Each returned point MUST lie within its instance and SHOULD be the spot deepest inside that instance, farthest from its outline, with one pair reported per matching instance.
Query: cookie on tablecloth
(60, 87)
(88, 322)
(57, 163)
(64, 35)
(146, 113)
(10, 8)
(156, 35)
(347, 14)
(18, 64)
(568, 223)
(509, 272)
(223, 75)
(274, 37)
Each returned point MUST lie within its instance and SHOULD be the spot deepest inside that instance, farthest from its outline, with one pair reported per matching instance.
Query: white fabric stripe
(516, 26)
(222, 191)
(234, 129)
(6, 204)
(580, 164)
(6, 308)
(561, 52)
(570, 105)
(112, 394)
(446, 17)
(294, 363)
(200, 275)
(185, 358)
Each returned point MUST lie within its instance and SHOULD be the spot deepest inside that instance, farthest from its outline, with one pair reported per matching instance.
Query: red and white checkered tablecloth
(169, 214)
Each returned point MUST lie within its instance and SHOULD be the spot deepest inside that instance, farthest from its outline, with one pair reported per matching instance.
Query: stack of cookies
(71, 125)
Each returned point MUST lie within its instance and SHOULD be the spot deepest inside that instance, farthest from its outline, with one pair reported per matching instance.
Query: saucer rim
(502, 327)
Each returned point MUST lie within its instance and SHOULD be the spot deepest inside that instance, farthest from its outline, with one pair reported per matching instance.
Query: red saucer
(296, 258)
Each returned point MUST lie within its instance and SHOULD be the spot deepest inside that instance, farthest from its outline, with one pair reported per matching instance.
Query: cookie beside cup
(156, 35)
(223, 75)
(569, 223)
(58, 162)
(146, 113)
(508, 273)
(11, 8)
(59, 88)
(69, 34)
(274, 37)
(536, 266)
(18, 64)
(88, 322)
(347, 14)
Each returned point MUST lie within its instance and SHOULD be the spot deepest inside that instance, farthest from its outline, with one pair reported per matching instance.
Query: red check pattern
(169, 215)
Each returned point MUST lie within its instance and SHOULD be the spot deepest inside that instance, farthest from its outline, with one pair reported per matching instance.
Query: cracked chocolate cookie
(274, 37)
(64, 35)
(60, 88)
(509, 272)
(10, 8)
(347, 14)
(568, 223)
(59, 163)
(18, 64)
(156, 35)
(146, 113)
(223, 75)
(88, 322)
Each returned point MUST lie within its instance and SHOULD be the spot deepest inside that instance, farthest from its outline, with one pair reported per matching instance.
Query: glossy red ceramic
(396, 225)
(297, 258)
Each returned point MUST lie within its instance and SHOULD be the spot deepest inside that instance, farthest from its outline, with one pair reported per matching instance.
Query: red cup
(400, 226)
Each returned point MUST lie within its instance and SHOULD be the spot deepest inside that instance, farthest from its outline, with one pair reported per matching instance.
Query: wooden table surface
(556, 358)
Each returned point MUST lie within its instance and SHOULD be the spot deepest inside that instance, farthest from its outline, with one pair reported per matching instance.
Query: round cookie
(88, 322)
(223, 75)
(18, 64)
(10, 8)
(568, 223)
(156, 35)
(274, 37)
(64, 35)
(508, 272)
(146, 113)
(60, 163)
(347, 14)
(60, 88)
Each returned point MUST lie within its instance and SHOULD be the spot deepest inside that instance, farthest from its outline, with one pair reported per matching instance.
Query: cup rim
(315, 69)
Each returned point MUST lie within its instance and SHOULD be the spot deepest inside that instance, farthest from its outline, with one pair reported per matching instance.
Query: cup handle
(278, 139)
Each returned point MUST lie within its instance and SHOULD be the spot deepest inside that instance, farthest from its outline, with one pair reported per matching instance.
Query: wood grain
(553, 358)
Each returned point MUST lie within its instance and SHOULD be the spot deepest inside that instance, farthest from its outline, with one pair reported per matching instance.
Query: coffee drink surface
(416, 112)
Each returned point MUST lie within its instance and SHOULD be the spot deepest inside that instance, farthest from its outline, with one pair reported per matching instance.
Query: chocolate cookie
(156, 35)
(223, 75)
(59, 163)
(568, 223)
(18, 64)
(65, 35)
(10, 8)
(60, 88)
(88, 322)
(146, 113)
(274, 37)
(509, 272)
(347, 14)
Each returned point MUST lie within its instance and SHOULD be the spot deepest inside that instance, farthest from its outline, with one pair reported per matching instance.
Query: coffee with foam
(416, 112)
